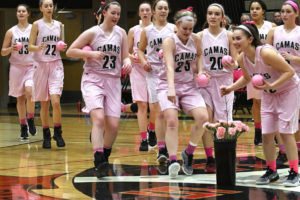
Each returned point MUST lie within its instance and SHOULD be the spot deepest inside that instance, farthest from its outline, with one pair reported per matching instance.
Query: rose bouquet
(226, 130)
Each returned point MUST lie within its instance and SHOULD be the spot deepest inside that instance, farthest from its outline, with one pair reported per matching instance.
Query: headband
(186, 18)
(218, 5)
(293, 4)
(245, 28)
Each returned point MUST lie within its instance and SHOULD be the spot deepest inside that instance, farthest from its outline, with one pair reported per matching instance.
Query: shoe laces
(190, 159)
(292, 174)
(268, 172)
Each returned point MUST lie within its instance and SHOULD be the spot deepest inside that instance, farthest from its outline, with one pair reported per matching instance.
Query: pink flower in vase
(245, 128)
(206, 125)
(230, 123)
(221, 132)
(212, 125)
(238, 125)
(232, 131)
(223, 122)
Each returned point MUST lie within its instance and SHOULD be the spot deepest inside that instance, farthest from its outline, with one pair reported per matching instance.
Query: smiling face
(112, 14)
(214, 15)
(256, 11)
(47, 8)
(22, 13)
(161, 11)
(288, 14)
(184, 29)
(240, 40)
(145, 11)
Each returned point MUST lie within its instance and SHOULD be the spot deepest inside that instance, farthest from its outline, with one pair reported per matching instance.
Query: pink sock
(161, 144)
(57, 124)
(123, 108)
(151, 126)
(294, 165)
(257, 125)
(98, 150)
(23, 121)
(190, 149)
(30, 115)
(209, 152)
(173, 157)
(298, 145)
(281, 148)
(272, 165)
(45, 127)
(143, 135)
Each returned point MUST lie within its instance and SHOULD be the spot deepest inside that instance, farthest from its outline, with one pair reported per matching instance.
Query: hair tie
(245, 28)
(102, 2)
(249, 22)
(293, 4)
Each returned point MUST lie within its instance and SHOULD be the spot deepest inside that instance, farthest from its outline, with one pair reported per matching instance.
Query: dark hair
(254, 31)
(291, 5)
(106, 6)
(156, 2)
(261, 3)
(24, 5)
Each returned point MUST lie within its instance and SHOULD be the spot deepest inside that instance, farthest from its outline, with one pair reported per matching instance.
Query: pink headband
(245, 28)
(293, 4)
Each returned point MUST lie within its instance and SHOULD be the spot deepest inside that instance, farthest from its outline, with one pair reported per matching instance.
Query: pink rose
(223, 122)
(221, 132)
(232, 131)
(205, 125)
(246, 128)
(230, 123)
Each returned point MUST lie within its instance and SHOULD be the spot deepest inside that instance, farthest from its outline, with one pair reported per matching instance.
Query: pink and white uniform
(138, 74)
(278, 111)
(21, 63)
(263, 32)
(100, 84)
(213, 49)
(49, 74)
(288, 42)
(187, 95)
(155, 38)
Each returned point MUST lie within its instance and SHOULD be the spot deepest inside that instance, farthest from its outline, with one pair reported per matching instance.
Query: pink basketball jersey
(288, 42)
(50, 36)
(184, 59)
(269, 73)
(112, 46)
(213, 50)
(23, 56)
(264, 30)
(137, 30)
(155, 38)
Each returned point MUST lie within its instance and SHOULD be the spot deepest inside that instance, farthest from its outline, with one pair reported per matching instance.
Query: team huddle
(164, 61)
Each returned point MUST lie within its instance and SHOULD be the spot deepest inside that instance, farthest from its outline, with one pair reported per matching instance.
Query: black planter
(225, 153)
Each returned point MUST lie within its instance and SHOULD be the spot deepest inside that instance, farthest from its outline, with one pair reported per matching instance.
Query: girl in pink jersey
(286, 39)
(177, 87)
(216, 42)
(100, 84)
(280, 97)
(138, 80)
(257, 11)
(151, 39)
(21, 69)
(49, 74)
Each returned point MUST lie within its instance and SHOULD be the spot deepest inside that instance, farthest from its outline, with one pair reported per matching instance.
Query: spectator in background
(226, 23)
(244, 18)
(277, 18)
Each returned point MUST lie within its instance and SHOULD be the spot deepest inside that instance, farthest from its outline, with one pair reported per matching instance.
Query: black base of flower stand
(225, 153)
